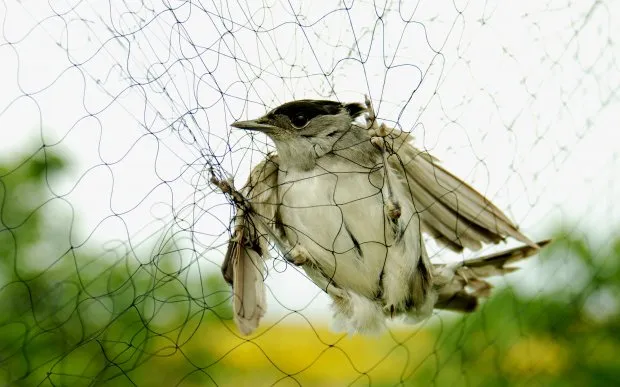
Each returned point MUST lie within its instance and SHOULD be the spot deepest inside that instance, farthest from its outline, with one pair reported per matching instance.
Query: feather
(451, 210)
(249, 303)
(495, 264)
(460, 286)
(243, 266)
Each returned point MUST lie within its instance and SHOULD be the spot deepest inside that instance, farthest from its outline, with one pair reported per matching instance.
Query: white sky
(521, 98)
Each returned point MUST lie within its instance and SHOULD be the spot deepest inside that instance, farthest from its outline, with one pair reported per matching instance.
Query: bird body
(331, 222)
(348, 203)
(336, 211)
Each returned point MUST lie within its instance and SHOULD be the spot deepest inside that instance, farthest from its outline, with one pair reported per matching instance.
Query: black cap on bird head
(297, 114)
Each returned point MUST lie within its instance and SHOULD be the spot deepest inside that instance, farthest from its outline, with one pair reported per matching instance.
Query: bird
(349, 200)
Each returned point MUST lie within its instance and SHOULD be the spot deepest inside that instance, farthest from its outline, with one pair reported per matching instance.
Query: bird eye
(299, 120)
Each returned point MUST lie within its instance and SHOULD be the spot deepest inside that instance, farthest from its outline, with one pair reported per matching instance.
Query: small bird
(348, 201)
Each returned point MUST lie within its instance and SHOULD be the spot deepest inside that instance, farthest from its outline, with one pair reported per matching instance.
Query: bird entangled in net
(354, 166)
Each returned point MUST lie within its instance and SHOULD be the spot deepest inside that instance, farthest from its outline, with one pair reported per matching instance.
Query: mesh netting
(114, 116)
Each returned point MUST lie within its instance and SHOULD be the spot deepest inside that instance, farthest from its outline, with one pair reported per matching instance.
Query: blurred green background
(73, 318)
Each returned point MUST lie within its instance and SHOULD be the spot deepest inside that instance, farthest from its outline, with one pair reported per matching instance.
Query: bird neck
(296, 153)
(302, 153)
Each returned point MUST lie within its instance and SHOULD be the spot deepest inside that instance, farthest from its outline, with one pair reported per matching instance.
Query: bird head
(305, 129)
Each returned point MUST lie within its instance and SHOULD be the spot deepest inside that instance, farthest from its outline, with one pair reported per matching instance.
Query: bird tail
(460, 286)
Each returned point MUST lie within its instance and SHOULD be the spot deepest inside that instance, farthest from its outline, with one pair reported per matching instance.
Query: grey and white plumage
(348, 202)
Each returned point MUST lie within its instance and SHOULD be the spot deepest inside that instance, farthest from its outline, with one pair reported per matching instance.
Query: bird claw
(237, 236)
(389, 310)
(298, 256)
(378, 142)
(382, 132)
(371, 117)
(393, 209)
(225, 185)
(375, 131)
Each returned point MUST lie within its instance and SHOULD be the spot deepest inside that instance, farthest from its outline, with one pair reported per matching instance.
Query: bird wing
(450, 210)
(243, 267)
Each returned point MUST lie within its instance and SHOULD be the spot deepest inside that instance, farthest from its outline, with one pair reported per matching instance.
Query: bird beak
(253, 125)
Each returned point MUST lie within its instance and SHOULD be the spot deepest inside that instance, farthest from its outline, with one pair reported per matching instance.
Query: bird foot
(389, 310)
(374, 129)
(371, 117)
(393, 209)
(381, 132)
(298, 256)
(227, 186)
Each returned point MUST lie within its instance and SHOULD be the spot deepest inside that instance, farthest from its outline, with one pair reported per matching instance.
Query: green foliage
(85, 318)
(542, 340)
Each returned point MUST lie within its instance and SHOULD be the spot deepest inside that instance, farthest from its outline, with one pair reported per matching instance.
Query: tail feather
(459, 287)
(495, 264)
(460, 301)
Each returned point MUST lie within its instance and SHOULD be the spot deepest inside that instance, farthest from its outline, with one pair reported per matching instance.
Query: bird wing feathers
(451, 211)
(243, 267)
(246, 276)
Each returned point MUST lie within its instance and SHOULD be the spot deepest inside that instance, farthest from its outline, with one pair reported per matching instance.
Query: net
(114, 116)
